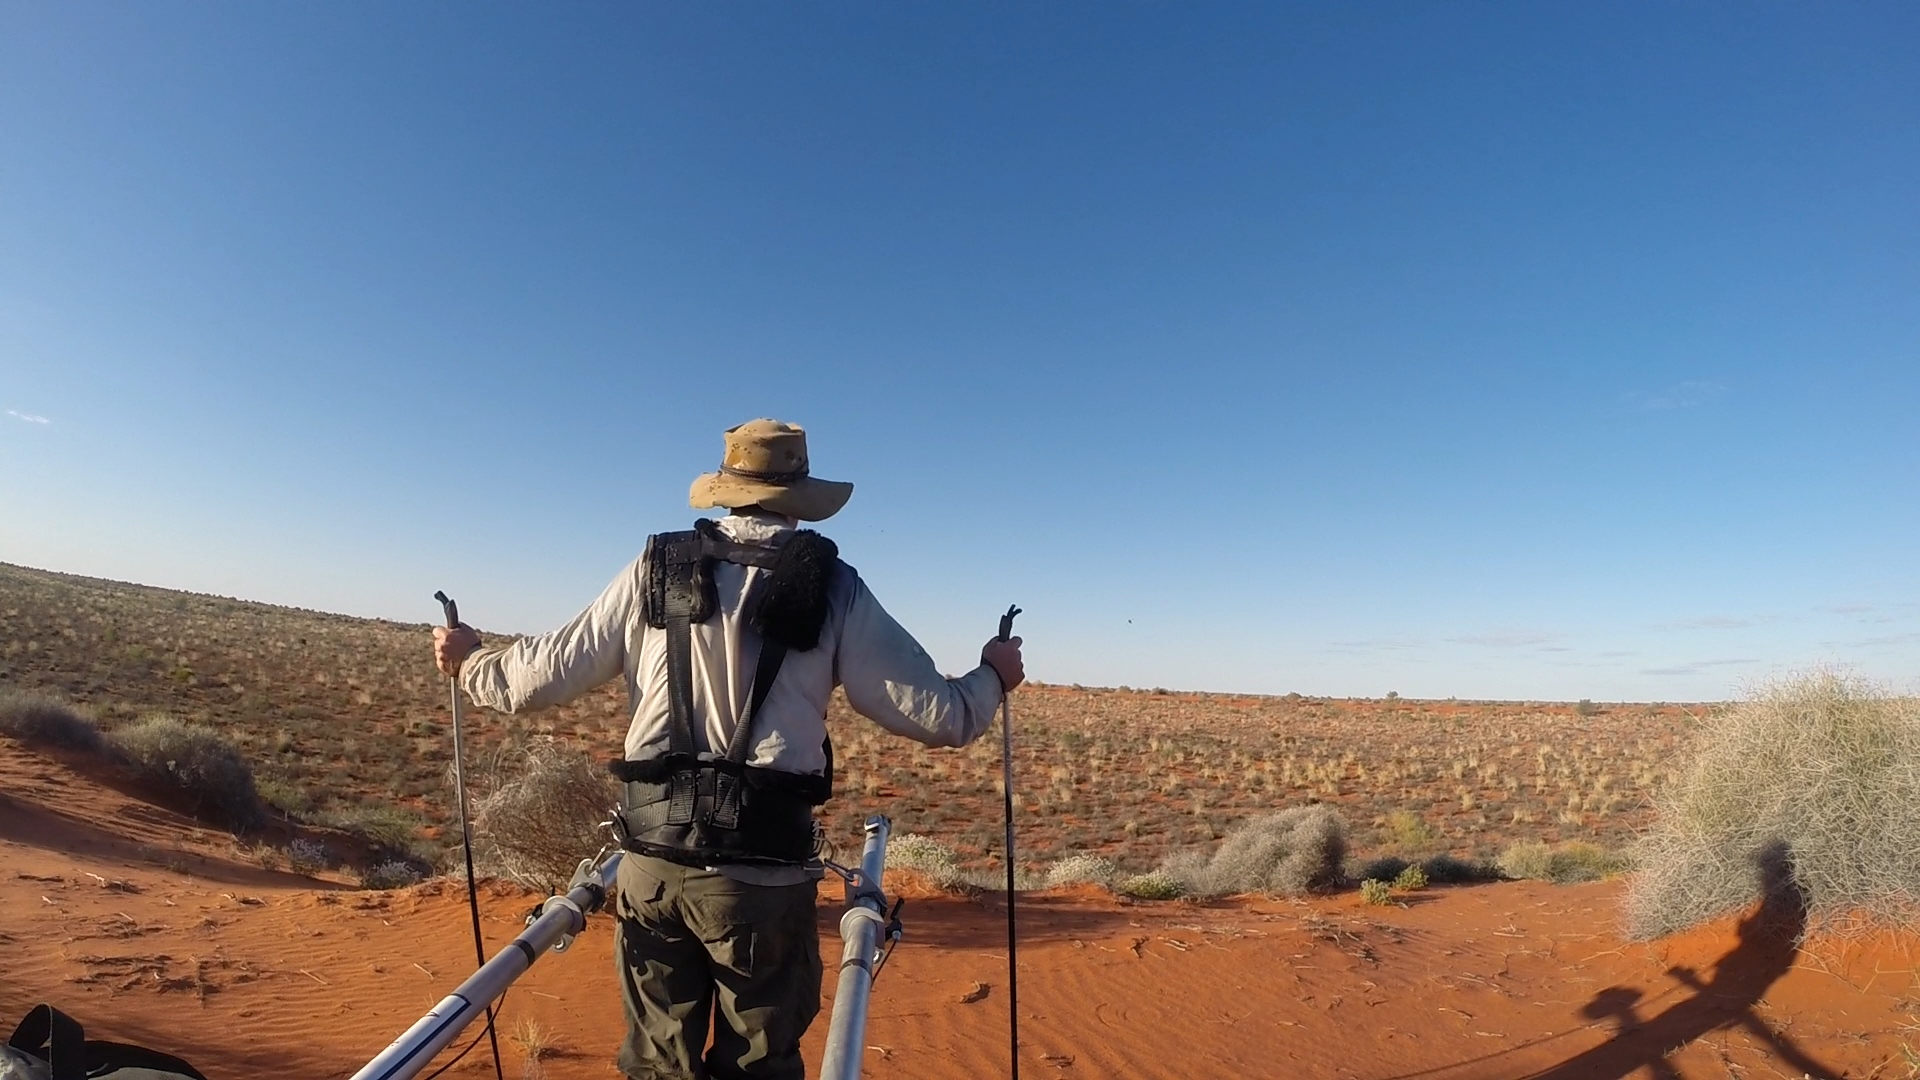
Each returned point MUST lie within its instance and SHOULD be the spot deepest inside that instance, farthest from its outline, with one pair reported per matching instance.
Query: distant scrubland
(344, 719)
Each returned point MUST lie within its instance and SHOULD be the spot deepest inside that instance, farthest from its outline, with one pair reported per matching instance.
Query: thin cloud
(1715, 622)
(1698, 666)
(1681, 395)
(1885, 639)
(1504, 641)
(29, 418)
(1875, 613)
(1374, 645)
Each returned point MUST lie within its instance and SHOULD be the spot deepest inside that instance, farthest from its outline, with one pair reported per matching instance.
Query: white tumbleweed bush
(1827, 764)
(540, 812)
(1287, 852)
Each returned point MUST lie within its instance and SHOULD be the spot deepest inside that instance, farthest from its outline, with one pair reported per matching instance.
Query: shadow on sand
(1768, 940)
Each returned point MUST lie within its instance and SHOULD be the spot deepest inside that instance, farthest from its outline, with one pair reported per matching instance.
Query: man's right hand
(1004, 658)
(451, 646)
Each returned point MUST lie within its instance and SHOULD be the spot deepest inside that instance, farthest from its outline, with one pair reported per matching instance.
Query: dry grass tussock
(1826, 763)
(1532, 860)
(538, 811)
(1288, 852)
(1283, 853)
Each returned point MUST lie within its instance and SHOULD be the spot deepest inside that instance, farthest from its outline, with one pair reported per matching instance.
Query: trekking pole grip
(453, 610)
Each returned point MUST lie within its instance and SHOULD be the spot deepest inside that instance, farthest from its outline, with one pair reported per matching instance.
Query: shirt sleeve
(555, 668)
(891, 680)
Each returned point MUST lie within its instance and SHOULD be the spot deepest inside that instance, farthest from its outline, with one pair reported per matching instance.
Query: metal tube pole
(452, 611)
(1006, 794)
(560, 919)
(863, 928)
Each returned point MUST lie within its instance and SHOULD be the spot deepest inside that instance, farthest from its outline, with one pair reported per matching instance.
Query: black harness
(706, 809)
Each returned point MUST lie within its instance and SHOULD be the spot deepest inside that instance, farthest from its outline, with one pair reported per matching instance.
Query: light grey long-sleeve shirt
(888, 677)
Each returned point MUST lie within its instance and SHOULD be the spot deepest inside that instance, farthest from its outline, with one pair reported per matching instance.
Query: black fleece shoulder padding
(791, 606)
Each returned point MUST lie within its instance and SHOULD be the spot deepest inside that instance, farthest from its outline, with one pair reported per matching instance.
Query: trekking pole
(1006, 793)
(863, 927)
(553, 927)
(452, 611)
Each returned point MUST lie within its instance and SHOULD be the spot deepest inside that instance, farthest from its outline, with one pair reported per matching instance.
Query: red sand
(152, 929)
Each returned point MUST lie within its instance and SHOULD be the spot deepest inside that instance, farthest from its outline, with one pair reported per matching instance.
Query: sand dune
(152, 928)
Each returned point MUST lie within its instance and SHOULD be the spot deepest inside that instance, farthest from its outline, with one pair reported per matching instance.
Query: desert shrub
(540, 812)
(1532, 860)
(43, 721)
(1081, 870)
(286, 797)
(1151, 886)
(1408, 831)
(1375, 891)
(1381, 868)
(197, 761)
(1528, 860)
(920, 854)
(1827, 764)
(396, 874)
(1288, 852)
(1446, 869)
(307, 855)
(383, 826)
(1585, 707)
(1412, 879)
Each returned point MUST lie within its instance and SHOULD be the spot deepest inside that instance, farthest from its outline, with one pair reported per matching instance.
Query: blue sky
(1519, 351)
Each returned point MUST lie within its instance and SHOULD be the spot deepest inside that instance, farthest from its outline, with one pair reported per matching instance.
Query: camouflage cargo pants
(696, 949)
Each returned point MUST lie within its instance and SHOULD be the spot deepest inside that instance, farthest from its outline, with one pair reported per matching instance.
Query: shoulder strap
(120, 1061)
(772, 654)
(676, 597)
(55, 1038)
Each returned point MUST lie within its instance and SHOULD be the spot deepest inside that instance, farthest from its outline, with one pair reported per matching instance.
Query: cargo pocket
(640, 890)
(733, 950)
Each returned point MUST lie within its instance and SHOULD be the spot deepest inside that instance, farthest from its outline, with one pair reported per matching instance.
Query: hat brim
(807, 499)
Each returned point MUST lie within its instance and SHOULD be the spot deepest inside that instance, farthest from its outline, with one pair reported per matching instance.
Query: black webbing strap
(726, 790)
(684, 785)
(55, 1038)
(772, 653)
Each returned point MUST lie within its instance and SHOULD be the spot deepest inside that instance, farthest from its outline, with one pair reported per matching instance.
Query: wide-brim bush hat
(765, 464)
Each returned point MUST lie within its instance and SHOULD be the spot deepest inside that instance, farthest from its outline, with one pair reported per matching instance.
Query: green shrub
(1528, 860)
(384, 827)
(197, 761)
(1408, 831)
(284, 796)
(1825, 763)
(1375, 891)
(1412, 879)
(43, 721)
(1531, 860)
(1151, 886)
(1288, 853)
